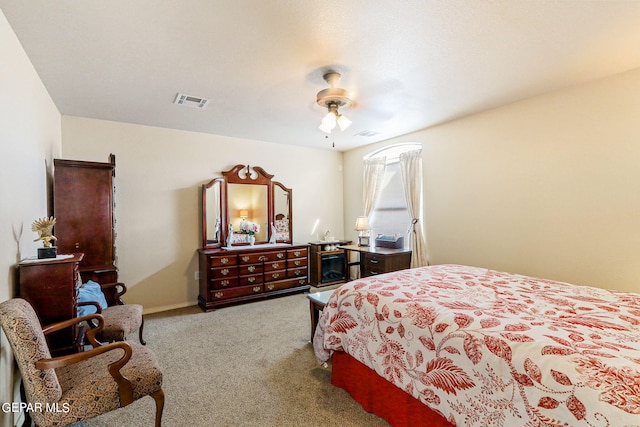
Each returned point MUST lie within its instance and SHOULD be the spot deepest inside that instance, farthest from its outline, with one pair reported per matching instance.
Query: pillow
(91, 291)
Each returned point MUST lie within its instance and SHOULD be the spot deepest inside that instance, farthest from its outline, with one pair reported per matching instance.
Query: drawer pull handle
(252, 268)
(245, 258)
(224, 271)
(218, 295)
(297, 253)
(224, 260)
(262, 258)
(224, 282)
(297, 272)
(256, 289)
(280, 255)
(276, 265)
(296, 262)
(271, 287)
(373, 261)
(302, 281)
(275, 275)
(252, 279)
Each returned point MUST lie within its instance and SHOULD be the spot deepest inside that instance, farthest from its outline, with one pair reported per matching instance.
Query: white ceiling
(409, 64)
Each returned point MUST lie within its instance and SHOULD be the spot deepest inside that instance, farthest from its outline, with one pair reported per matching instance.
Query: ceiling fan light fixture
(333, 98)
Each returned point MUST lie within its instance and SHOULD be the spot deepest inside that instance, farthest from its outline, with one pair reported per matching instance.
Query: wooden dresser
(51, 287)
(251, 272)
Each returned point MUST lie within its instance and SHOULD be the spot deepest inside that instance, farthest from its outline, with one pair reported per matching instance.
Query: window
(390, 215)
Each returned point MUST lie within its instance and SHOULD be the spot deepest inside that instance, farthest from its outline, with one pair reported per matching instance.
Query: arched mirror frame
(245, 174)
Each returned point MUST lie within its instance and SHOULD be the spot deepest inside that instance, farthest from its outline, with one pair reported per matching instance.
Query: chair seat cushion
(88, 389)
(120, 321)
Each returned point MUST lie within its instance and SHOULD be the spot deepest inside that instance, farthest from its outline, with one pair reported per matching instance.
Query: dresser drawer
(262, 257)
(284, 284)
(378, 263)
(275, 275)
(274, 266)
(297, 272)
(373, 264)
(297, 253)
(250, 269)
(236, 292)
(297, 263)
(223, 261)
(256, 258)
(228, 282)
(275, 256)
(253, 279)
(224, 272)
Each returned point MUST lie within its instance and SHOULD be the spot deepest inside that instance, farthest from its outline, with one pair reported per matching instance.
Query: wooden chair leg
(142, 341)
(158, 396)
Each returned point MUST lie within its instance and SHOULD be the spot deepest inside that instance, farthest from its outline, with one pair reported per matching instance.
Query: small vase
(252, 240)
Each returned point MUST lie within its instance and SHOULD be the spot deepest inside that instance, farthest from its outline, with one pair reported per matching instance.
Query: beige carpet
(245, 365)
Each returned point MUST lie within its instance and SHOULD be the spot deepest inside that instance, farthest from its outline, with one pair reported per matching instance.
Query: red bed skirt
(379, 396)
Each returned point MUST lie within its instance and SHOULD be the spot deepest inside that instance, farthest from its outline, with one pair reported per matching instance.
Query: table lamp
(362, 227)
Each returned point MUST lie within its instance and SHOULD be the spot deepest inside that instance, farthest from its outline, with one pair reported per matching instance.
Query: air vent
(190, 101)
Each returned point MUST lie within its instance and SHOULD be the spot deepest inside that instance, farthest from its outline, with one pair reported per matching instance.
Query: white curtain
(373, 174)
(411, 166)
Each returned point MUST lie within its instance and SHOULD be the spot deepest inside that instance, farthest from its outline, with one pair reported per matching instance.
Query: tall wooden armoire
(83, 205)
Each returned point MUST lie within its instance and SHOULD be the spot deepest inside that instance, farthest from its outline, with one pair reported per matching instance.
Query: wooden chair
(83, 385)
(120, 319)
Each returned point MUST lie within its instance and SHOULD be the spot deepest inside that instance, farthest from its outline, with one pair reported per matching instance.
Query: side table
(317, 301)
(375, 260)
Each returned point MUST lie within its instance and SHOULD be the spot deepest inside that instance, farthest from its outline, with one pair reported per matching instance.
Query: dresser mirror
(245, 194)
(212, 213)
(249, 203)
(282, 212)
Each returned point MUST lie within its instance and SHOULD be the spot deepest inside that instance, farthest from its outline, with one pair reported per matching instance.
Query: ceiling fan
(333, 98)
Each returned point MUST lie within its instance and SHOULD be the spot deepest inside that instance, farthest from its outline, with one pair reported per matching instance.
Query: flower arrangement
(248, 227)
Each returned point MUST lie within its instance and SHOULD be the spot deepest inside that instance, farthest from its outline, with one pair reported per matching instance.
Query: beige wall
(159, 173)
(547, 187)
(30, 137)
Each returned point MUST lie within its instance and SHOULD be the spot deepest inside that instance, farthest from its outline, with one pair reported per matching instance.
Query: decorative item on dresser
(51, 287)
(259, 260)
(83, 205)
(44, 228)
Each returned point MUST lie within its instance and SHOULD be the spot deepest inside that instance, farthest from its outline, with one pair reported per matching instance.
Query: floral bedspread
(487, 348)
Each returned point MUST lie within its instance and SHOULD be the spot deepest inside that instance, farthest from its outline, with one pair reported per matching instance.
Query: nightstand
(374, 260)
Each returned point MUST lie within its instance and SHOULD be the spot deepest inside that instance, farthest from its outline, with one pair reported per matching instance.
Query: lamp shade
(328, 122)
(362, 223)
(243, 212)
(343, 122)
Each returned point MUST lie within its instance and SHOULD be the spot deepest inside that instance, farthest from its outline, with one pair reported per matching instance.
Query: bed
(468, 346)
